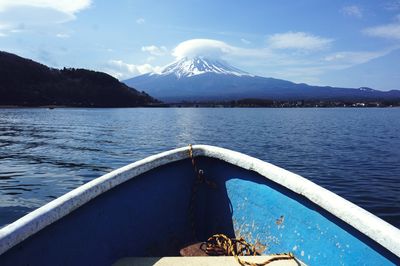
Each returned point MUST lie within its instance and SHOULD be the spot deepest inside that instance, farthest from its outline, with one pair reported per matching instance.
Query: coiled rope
(221, 245)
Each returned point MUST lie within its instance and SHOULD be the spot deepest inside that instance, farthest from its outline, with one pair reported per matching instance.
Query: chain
(200, 179)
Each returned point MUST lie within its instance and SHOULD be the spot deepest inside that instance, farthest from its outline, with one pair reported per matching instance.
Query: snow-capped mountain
(198, 78)
(203, 79)
(188, 67)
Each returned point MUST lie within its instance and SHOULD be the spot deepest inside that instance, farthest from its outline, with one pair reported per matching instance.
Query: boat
(154, 207)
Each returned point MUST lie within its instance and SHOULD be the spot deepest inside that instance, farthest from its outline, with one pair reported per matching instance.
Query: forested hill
(24, 82)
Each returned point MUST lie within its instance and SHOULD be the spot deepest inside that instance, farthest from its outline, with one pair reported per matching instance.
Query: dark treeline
(286, 104)
(24, 82)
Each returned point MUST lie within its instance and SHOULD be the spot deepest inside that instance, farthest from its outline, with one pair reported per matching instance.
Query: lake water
(352, 152)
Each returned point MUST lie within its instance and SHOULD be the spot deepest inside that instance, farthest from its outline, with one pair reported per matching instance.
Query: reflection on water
(353, 152)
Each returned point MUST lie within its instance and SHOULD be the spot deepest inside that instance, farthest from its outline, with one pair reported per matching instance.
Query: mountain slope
(204, 79)
(189, 67)
(24, 82)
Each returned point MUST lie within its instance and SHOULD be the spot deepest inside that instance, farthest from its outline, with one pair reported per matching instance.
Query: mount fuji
(187, 67)
(205, 79)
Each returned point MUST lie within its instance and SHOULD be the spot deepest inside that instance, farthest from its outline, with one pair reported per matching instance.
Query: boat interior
(170, 207)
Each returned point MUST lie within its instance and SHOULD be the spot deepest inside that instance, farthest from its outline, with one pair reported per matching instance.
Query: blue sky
(336, 43)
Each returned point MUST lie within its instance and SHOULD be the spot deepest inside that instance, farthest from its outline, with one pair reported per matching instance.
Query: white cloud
(309, 70)
(155, 50)
(202, 47)
(140, 21)
(353, 11)
(306, 68)
(298, 40)
(355, 58)
(65, 6)
(393, 5)
(243, 40)
(3, 29)
(389, 31)
(21, 15)
(122, 70)
(62, 35)
(151, 58)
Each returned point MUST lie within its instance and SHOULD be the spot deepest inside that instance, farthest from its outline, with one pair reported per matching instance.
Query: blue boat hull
(150, 215)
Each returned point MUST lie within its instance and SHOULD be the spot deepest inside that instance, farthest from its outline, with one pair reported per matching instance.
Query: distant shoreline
(196, 106)
(66, 106)
(241, 103)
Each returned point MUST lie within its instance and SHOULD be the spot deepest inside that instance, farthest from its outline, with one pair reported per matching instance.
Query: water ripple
(353, 152)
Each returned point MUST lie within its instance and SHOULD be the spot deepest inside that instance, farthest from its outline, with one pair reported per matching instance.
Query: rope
(220, 244)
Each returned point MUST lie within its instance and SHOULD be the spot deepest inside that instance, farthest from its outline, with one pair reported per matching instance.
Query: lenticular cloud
(201, 47)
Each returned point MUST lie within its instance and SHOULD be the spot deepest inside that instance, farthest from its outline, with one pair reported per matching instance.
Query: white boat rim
(375, 228)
